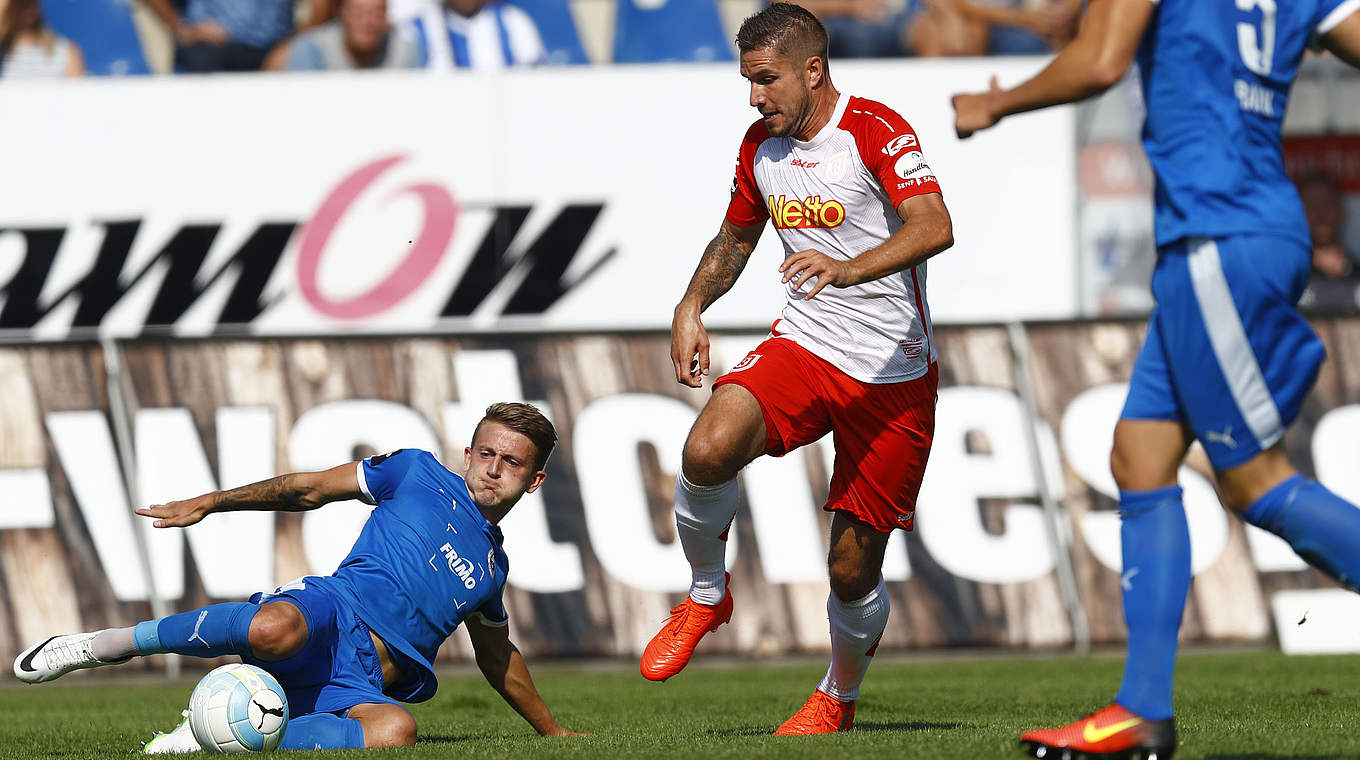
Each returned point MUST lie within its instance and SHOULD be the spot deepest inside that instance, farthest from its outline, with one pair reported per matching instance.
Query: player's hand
(178, 514)
(689, 347)
(809, 264)
(975, 111)
(564, 732)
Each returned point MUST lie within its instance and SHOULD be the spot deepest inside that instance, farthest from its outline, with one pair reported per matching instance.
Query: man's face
(779, 90)
(365, 23)
(499, 466)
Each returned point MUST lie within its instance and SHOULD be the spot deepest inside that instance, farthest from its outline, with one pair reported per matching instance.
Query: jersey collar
(827, 129)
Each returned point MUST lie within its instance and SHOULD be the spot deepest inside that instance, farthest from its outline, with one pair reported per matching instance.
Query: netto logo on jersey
(812, 211)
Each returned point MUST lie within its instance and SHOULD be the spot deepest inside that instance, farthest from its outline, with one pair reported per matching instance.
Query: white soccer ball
(238, 708)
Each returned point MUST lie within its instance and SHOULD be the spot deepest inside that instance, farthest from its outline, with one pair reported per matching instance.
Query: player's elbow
(1106, 72)
(942, 234)
(493, 666)
(945, 238)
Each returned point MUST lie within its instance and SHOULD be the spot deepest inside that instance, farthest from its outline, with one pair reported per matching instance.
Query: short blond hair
(526, 420)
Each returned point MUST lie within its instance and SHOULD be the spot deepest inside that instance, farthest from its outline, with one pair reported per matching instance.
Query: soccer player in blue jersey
(348, 648)
(1228, 359)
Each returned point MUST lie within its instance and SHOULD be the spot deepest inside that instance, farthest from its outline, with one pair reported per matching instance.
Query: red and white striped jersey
(838, 193)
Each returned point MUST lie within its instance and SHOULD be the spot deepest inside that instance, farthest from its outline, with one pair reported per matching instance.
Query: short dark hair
(792, 30)
(526, 420)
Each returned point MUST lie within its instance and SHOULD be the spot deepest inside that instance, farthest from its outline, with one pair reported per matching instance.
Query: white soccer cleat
(179, 740)
(56, 657)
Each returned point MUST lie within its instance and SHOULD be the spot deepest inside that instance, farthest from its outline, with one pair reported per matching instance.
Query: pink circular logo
(441, 212)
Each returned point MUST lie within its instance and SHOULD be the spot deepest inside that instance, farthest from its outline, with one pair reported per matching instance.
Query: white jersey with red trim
(838, 193)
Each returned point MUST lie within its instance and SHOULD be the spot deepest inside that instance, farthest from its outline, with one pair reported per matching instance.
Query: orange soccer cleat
(1112, 733)
(821, 714)
(670, 649)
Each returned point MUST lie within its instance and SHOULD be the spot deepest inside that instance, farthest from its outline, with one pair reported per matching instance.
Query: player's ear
(536, 481)
(814, 70)
(467, 458)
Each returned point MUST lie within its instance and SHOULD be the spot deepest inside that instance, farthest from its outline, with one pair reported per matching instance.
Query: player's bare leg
(858, 609)
(1155, 582)
(385, 725)
(728, 434)
(1320, 526)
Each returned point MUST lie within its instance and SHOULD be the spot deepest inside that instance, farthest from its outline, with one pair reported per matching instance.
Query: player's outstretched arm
(294, 492)
(1344, 39)
(504, 668)
(1091, 63)
(722, 262)
(926, 230)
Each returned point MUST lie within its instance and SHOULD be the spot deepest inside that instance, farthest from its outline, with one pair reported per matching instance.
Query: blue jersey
(1216, 78)
(425, 561)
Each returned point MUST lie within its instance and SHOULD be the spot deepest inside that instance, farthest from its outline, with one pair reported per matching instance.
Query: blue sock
(1322, 527)
(206, 632)
(1156, 580)
(323, 731)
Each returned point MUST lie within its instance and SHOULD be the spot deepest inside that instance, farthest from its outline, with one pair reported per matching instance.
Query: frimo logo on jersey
(812, 211)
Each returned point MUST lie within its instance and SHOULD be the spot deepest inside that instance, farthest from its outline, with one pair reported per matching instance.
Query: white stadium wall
(545, 200)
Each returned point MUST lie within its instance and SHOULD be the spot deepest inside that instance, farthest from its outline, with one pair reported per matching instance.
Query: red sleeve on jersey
(747, 207)
(889, 147)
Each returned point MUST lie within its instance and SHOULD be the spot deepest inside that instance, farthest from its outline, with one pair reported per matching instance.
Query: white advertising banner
(554, 200)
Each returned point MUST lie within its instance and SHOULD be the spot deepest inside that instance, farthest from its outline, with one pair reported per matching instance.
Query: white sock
(113, 644)
(855, 629)
(702, 517)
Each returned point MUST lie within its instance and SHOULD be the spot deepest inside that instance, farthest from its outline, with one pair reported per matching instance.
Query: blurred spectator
(231, 35)
(476, 34)
(1335, 280)
(865, 28)
(29, 50)
(895, 28)
(361, 38)
(1024, 27)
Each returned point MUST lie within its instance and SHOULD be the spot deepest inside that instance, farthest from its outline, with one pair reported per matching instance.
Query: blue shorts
(1227, 351)
(338, 667)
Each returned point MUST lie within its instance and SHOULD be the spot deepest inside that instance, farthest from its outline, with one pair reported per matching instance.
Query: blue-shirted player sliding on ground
(1228, 358)
(349, 647)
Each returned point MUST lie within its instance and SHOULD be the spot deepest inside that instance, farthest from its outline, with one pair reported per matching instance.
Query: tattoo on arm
(722, 262)
(274, 493)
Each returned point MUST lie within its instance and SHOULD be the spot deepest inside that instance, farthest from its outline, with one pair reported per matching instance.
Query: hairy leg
(728, 434)
(857, 606)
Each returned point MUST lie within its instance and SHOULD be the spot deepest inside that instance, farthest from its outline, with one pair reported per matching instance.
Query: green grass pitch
(1231, 706)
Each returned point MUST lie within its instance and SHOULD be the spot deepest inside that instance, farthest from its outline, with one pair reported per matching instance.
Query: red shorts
(882, 432)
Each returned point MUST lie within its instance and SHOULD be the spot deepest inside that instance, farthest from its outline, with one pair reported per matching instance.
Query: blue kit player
(348, 648)
(1228, 359)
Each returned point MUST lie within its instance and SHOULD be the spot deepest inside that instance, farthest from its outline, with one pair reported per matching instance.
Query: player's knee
(707, 456)
(850, 580)
(1133, 470)
(277, 631)
(396, 729)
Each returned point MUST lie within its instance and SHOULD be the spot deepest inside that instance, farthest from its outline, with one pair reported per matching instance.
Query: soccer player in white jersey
(859, 211)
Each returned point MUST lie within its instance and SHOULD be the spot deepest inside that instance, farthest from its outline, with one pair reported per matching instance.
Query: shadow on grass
(915, 725)
(449, 739)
